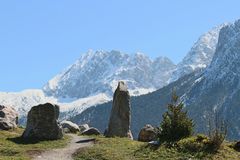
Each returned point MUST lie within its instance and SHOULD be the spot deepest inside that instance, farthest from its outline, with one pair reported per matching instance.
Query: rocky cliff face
(217, 89)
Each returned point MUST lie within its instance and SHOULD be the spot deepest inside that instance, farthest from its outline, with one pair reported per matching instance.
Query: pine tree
(176, 124)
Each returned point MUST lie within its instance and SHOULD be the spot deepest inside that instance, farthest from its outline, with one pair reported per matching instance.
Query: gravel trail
(67, 152)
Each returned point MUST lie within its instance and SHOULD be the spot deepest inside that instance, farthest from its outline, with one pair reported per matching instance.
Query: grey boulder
(42, 123)
(83, 127)
(147, 133)
(8, 118)
(69, 127)
(91, 131)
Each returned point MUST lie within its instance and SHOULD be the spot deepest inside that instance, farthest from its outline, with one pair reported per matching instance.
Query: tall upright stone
(120, 118)
(42, 123)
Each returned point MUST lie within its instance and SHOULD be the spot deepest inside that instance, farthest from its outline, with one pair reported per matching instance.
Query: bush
(217, 132)
(193, 144)
(201, 143)
(176, 124)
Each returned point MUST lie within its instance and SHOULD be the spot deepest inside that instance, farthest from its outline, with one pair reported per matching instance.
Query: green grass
(125, 149)
(13, 147)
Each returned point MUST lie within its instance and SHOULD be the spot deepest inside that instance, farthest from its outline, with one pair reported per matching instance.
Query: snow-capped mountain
(214, 90)
(92, 79)
(200, 55)
(99, 72)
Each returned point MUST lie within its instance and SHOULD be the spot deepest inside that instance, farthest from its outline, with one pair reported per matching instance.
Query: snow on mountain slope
(23, 101)
(200, 55)
(98, 72)
(73, 108)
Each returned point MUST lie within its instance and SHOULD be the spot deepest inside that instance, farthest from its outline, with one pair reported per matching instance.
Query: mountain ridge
(107, 68)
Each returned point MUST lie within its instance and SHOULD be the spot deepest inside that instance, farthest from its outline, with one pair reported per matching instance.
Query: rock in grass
(42, 123)
(91, 131)
(147, 133)
(70, 127)
(8, 118)
(119, 123)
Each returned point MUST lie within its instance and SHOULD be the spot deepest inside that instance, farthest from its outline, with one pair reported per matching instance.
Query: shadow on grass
(21, 140)
(87, 140)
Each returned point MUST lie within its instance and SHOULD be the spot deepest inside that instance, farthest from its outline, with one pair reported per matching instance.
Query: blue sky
(40, 38)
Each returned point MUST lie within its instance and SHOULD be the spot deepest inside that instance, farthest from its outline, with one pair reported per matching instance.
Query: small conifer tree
(175, 124)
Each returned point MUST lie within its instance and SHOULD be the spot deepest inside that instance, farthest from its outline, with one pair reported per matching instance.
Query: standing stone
(42, 123)
(147, 133)
(8, 118)
(119, 123)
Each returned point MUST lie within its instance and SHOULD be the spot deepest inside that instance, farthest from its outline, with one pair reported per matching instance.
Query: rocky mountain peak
(99, 71)
(200, 55)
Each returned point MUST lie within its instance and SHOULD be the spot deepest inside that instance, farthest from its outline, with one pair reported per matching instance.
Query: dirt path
(66, 153)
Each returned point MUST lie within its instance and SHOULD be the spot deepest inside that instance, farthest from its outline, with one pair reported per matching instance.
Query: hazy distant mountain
(215, 89)
(23, 101)
(99, 72)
